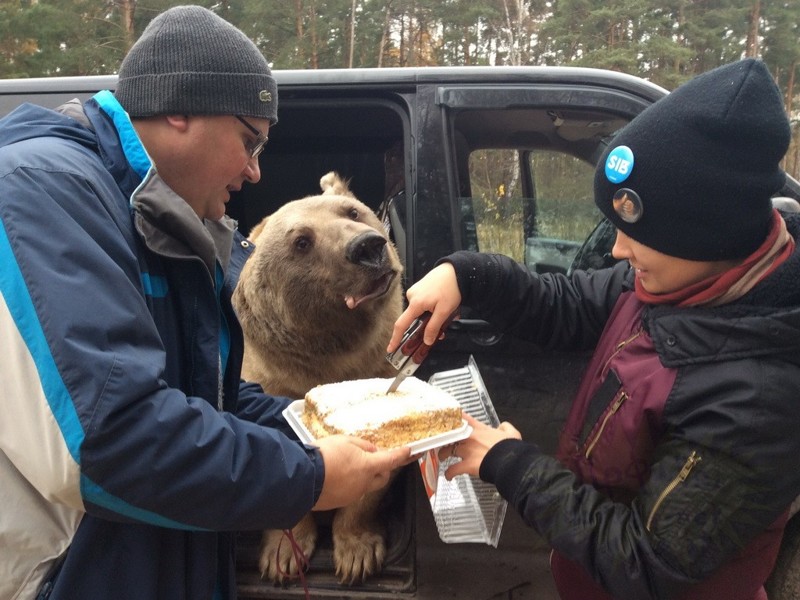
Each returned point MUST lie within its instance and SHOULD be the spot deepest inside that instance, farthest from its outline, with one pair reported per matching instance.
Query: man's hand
(354, 467)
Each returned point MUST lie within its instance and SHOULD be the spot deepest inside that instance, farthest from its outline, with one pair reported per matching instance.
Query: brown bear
(317, 301)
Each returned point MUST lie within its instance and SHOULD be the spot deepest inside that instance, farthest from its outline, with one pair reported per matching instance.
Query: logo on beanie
(628, 205)
(619, 164)
(265, 96)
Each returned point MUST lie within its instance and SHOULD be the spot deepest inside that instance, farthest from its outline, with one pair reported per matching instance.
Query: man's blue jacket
(130, 451)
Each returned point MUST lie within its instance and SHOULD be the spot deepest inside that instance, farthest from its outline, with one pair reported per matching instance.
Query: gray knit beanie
(190, 61)
(693, 174)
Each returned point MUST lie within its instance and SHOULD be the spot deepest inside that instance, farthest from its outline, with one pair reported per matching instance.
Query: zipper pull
(689, 465)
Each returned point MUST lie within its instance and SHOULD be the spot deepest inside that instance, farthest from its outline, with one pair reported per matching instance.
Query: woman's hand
(472, 450)
(436, 293)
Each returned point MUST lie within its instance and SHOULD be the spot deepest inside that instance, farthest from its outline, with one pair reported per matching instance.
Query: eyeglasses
(255, 147)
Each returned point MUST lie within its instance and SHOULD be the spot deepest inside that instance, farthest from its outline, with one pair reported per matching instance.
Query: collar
(131, 144)
(165, 221)
(170, 227)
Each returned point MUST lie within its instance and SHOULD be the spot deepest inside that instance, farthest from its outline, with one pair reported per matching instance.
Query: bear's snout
(367, 249)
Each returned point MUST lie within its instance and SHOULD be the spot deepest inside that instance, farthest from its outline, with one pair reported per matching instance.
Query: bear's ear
(332, 184)
(256, 230)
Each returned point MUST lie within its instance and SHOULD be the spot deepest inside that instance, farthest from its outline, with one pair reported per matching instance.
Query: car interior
(311, 140)
(354, 137)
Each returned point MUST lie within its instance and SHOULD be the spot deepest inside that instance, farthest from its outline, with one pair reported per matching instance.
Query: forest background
(664, 41)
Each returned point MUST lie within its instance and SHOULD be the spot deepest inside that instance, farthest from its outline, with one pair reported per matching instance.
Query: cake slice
(363, 408)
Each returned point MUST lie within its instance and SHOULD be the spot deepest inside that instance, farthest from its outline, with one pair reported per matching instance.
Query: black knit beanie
(693, 174)
(190, 61)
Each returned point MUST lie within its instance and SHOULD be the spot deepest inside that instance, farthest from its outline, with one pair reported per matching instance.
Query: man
(129, 448)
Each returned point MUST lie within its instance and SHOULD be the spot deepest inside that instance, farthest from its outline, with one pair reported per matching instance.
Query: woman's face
(660, 273)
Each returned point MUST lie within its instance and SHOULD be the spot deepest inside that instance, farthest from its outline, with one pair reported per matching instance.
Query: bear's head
(323, 272)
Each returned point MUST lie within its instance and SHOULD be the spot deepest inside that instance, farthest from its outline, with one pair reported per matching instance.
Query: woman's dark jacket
(678, 461)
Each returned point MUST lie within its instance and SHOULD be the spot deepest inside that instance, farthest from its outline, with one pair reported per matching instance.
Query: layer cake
(363, 408)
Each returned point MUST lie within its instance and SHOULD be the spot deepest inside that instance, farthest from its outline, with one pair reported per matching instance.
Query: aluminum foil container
(466, 509)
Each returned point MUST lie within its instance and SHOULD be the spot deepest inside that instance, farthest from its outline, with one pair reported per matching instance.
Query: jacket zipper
(681, 477)
(618, 348)
(620, 399)
(614, 408)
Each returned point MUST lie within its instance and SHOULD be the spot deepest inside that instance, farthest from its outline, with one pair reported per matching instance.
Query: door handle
(479, 331)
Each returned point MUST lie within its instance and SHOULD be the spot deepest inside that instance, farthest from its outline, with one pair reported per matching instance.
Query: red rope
(300, 558)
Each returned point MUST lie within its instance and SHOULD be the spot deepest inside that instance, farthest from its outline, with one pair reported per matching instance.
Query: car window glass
(534, 206)
(565, 210)
(496, 204)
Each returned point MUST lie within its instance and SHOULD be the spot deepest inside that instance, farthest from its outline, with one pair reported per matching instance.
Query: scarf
(734, 283)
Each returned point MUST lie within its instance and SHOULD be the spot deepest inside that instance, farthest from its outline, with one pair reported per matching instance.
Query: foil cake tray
(466, 509)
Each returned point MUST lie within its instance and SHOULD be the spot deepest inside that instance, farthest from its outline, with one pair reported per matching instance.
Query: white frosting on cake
(362, 407)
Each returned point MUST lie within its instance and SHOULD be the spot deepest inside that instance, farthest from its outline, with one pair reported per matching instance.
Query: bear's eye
(353, 214)
(302, 243)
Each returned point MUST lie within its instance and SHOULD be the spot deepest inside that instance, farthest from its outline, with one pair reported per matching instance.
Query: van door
(519, 163)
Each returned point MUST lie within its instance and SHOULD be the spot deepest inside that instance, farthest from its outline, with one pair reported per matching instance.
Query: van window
(535, 206)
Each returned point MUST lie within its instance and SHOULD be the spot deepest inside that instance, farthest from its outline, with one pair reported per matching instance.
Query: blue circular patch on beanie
(619, 164)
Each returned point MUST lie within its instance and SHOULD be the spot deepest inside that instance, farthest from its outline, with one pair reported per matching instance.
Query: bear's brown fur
(317, 301)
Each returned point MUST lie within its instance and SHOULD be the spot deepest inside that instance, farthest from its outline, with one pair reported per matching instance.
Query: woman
(677, 463)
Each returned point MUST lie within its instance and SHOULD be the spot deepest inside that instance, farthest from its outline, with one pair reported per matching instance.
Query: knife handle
(420, 353)
(411, 342)
(412, 349)
(414, 335)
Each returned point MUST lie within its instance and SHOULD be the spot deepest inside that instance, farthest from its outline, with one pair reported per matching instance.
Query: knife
(412, 349)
